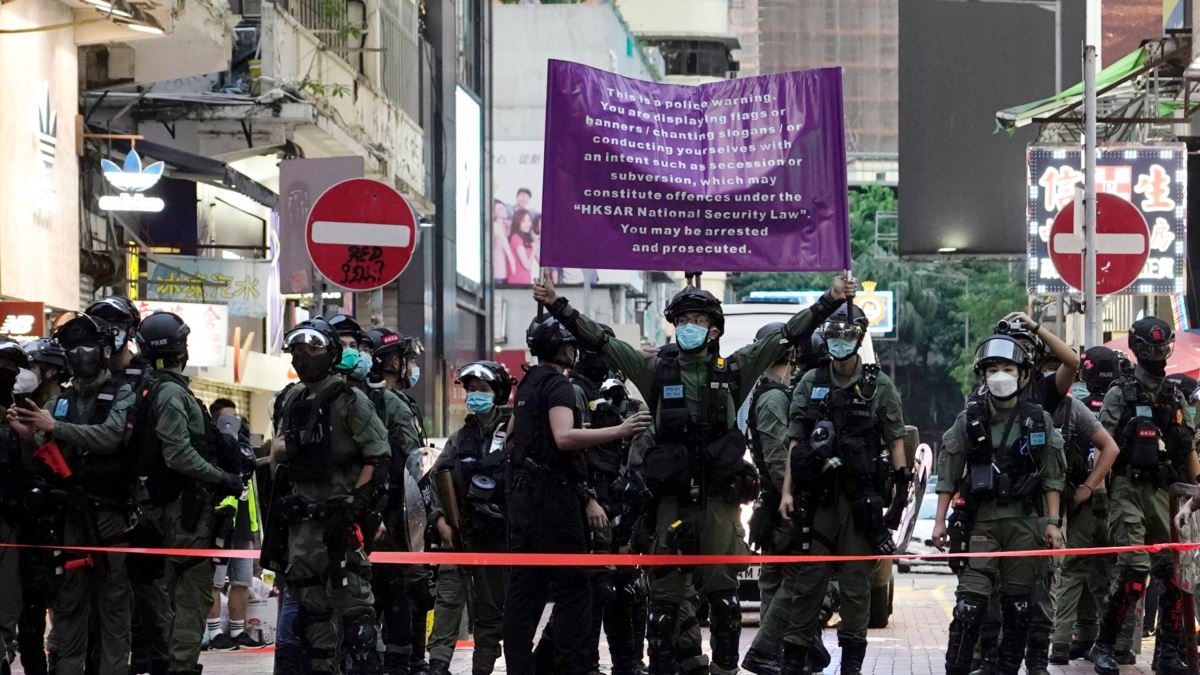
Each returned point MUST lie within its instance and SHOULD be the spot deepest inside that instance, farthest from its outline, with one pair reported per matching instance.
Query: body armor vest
(668, 398)
(479, 477)
(845, 413)
(308, 431)
(1009, 473)
(1154, 441)
(109, 475)
(533, 440)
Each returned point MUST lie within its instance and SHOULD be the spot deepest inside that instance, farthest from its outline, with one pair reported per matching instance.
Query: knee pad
(725, 611)
(1131, 583)
(970, 608)
(1015, 606)
(661, 622)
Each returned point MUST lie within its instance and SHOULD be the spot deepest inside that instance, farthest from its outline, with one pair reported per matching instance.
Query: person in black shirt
(551, 502)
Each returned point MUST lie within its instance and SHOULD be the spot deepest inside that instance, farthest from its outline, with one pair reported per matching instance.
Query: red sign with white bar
(1122, 244)
(361, 234)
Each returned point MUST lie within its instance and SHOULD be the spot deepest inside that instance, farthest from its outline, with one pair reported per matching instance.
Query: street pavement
(914, 641)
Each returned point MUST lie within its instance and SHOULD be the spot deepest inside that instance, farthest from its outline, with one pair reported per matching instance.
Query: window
(696, 57)
(470, 44)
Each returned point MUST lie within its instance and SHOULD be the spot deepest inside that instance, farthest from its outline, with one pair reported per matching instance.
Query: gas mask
(86, 362)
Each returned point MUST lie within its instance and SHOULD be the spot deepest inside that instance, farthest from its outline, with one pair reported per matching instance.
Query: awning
(190, 166)
(1021, 115)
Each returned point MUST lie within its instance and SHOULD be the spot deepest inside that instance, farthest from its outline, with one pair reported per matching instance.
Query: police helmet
(1151, 339)
(1001, 349)
(162, 335)
(1125, 367)
(491, 372)
(46, 352)
(545, 336)
(693, 299)
(316, 332)
(12, 354)
(85, 330)
(1187, 385)
(1099, 368)
(413, 347)
(384, 343)
(345, 325)
(773, 327)
(848, 321)
(117, 310)
(591, 365)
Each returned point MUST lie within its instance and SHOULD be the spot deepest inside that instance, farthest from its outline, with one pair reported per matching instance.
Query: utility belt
(535, 476)
(694, 472)
(1162, 475)
(985, 482)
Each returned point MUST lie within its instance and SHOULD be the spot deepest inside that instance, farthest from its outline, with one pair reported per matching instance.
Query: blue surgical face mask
(841, 348)
(363, 367)
(414, 375)
(690, 336)
(480, 402)
(1080, 391)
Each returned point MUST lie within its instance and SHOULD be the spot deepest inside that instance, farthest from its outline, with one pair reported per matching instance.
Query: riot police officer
(471, 516)
(84, 429)
(847, 460)
(13, 362)
(766, 429)
(402, 591)
(1090, 453)
(1147, 417)
(49, 370)
(122, 314)
(174, 443)
(336, 452)
(549, 502)
(696, 468)
(1003, 455)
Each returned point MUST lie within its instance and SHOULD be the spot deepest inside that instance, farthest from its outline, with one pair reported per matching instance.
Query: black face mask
(312, 368)
(86, 362)
(1154, 367)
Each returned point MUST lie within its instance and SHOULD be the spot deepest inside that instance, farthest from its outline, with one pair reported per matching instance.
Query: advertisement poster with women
(516, 225)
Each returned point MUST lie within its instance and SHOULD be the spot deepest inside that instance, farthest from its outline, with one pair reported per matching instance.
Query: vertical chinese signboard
(1152, 177)
(209, 326)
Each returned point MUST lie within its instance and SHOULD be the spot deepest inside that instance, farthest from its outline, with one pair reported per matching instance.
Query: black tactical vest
(107, 475)
(1154, 440)
(479, 475)
(1009, 473)
(858, 443)
(533, 443)
(308, 431)
(674, 423)
(764, 385)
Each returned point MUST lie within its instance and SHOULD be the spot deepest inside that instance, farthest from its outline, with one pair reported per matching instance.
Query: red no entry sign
(361, 234)
(1122, 244)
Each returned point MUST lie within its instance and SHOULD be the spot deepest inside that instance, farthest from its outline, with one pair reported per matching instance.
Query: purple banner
(741, 175)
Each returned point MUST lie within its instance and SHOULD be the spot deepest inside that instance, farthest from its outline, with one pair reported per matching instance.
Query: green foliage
(936, 303)
(336, 90)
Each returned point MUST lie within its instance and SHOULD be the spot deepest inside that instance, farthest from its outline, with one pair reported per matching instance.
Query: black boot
(795, 660)
(725, 625)
(1080, 649)
(1168, 655)
(853, 653)
(964, 632)
(397, 664)
(1014, 634)
(1037, 654)
(660, 631)
(1060, 654)
(758, 662)
(1104, 659)
(818, 656)
(1129, 589)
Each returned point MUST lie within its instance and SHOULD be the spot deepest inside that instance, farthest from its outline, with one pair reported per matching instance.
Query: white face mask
(1002, 385)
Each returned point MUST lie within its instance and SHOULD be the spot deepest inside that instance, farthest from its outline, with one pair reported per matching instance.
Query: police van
(742, 322)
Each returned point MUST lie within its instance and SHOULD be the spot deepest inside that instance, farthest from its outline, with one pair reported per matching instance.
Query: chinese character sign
(209, 326)
(1152, 177)
(240, 284)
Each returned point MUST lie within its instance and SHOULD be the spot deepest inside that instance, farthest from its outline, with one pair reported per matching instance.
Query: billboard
(961, 183)
(468, 209)
(516, 212)
(1152, 177)
(209, 325)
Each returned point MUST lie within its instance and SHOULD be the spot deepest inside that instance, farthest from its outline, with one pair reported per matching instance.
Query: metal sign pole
(1092, 315)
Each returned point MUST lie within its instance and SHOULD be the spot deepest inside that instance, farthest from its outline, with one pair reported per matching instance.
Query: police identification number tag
(673, 391)
(1037, 438)
(60, 410)
(819, 393)
(1143, 411)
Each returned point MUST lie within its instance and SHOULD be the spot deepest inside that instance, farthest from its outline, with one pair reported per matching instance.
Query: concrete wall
(676, 17)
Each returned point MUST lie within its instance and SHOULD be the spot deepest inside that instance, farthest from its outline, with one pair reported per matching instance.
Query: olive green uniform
(1012, 526)
(834, 529)
(107, 584)
(715, 523)
(487, 583)
(1139, 512)
(771, 425)
(358, 437)
(180, 428)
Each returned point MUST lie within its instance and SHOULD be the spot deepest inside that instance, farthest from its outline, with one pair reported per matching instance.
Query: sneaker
(244, 641)
(222, 643)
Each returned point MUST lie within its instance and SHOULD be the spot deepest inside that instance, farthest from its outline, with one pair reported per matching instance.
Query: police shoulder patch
(61, 409)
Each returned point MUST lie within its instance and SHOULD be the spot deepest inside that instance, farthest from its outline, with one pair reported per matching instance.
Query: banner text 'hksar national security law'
(739, 175)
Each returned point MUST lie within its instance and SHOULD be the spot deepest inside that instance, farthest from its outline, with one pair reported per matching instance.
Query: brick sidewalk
(913, 643)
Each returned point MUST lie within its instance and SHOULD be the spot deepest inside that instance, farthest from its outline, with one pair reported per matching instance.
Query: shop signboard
(22, 319)
(131, 179)
(1151, 177)
(242, 285)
